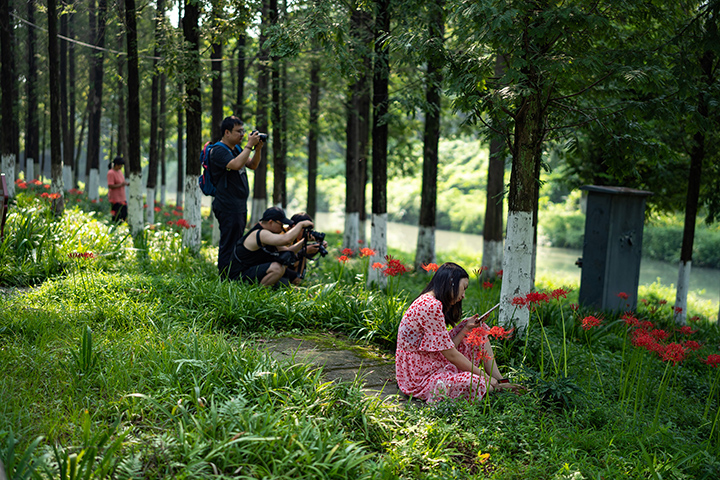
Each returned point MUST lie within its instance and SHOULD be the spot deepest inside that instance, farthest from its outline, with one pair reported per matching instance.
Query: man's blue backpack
(204, 180)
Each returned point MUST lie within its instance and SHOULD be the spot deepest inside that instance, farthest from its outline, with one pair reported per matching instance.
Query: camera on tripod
(319, 237)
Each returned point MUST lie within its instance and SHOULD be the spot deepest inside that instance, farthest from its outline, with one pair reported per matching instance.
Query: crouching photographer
(264, 253)
(313, 243)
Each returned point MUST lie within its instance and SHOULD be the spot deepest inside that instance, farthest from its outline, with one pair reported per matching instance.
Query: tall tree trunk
(69, 140)
(32, 124)
(517, 261)
(356, 129)
(313, 130)
(191, 212)
(279, 167)
(94, 128)
(135, 194)
(154, 99)
(381, 75)
(179, 195)
(493, 226)
(425, 252)
(240, 98)
(216, 106)
(162, 138)
(259, 203)
(67, 152)
(7, 109)
(697, 156)
(56, 161)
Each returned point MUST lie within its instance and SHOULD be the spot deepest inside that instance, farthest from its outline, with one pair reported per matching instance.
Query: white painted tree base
(516, 269)
(93, 185)
(29, 169)
(352, 231)
(378, 243)
(425, 247)
(134, 194)
(67, 178)
(492, 256)
(191, 214)
(7, 166)
(683, 287)
(150, 210)
(215, 229)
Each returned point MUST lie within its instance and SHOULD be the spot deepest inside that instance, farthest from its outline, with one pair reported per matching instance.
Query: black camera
(263, 136)
(319, 237)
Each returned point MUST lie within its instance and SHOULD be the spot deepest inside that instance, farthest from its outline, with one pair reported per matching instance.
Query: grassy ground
(131, 360)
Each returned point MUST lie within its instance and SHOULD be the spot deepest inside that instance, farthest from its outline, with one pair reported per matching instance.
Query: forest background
(357, 96)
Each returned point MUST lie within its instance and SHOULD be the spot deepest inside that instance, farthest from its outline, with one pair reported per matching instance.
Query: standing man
(227, 171)
(116, 189)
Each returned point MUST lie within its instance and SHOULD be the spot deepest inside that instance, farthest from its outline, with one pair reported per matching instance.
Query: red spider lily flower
(93, 201)
(559, 292)
(167, 214)
(177, 213)
(590, 322)
(18, 181)
(484, 268)
(644, 300)
(113, 212)
(659, 334)
(712, 360)
(487, 285)
(574, 307)
(481, 356)
(686, 330)
(22, 185)
(692, 345)
(347, 252)
(477, 336)
(44, 195)
(499, 273)
(647, 324)
(367, 252)
(183, 223)
(377, 265)
(537, 297)
(360, 241)
(677, 310)
(623, 295)
(519, 302)
(144, 205)
(500, 333)
(35, 181)
(696, 318)
(157, 209)
(641, 338)
(81, 255)
(338, 231)
(54, 196)
(46, 187)
(673, 352)
(430, 267)
(394, 267)
(662, 302)
(343, 258)
(170, 223)
(630, 320)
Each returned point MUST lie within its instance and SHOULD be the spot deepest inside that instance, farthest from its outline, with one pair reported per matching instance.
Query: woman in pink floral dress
(432, 363)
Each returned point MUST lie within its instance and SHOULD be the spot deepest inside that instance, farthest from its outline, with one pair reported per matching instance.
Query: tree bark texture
(313, 131)
(56, 162)
(240, 93)
(98, 24)
(216, 105)
(260, 196)
(135, 197)
(32, 123)
(7, 107)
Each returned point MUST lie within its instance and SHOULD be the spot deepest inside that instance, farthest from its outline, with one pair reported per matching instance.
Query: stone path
(341, 360)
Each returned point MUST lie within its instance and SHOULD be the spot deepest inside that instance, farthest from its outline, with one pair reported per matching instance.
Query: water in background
(558, 262)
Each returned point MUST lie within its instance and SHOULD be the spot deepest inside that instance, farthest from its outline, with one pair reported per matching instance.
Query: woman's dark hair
(445, 285)
(117, 161)
(299, 217)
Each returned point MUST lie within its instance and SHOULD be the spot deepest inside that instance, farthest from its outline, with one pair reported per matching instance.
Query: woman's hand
(473, 322)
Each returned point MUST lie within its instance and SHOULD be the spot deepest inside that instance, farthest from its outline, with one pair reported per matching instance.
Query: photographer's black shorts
(256, 273)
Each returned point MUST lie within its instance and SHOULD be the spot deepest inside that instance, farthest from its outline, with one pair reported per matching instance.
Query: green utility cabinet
(612, 247)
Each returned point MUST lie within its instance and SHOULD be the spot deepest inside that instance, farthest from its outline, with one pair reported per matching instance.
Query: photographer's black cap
(277, 214)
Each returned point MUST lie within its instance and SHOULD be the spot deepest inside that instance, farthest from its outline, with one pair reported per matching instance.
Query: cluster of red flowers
(343, 258)
(81, 255)
(647, 336)
(50, 196)
(479, 335)
(377, 265)
(75, 191)
(430, 267)
(367, 252)
(181, 223)
(623, 295)
(713, 360)
(394, 267)
(487, 285)
(347, 252)
(590, 322)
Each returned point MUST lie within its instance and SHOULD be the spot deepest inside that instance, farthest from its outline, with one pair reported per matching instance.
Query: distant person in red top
(116, 189)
